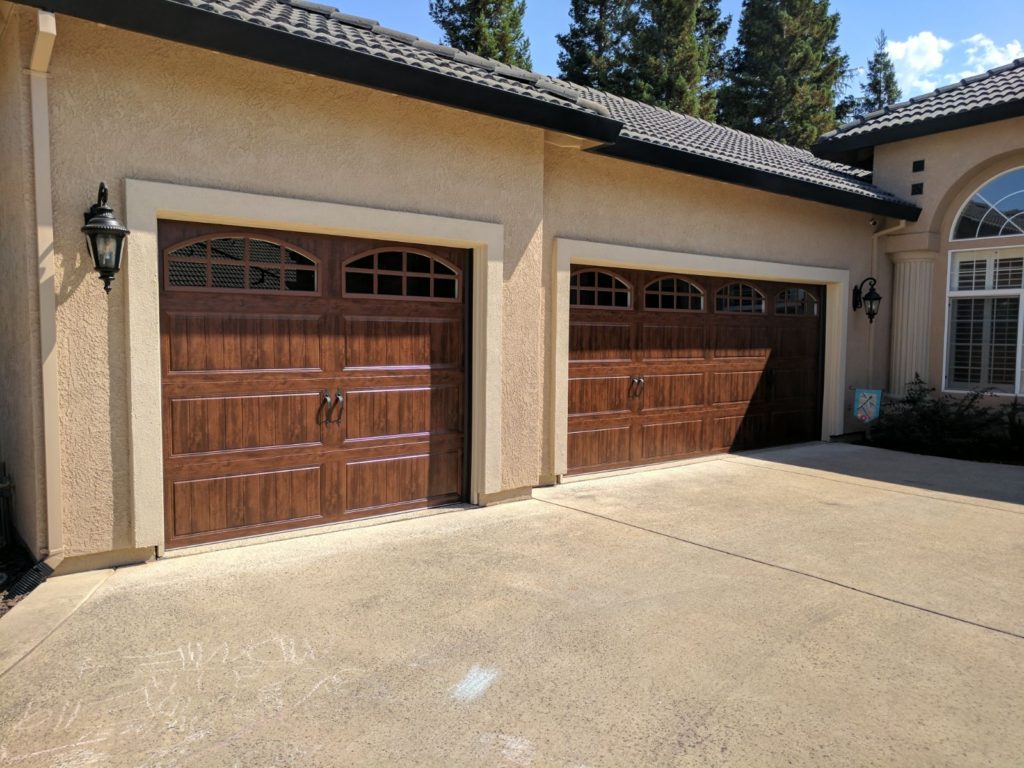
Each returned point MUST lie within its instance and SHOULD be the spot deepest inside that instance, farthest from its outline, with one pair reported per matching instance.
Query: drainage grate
(31, 579)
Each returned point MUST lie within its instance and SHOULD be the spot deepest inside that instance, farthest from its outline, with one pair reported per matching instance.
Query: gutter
(195, 26)
(722, 170)
(38, 72)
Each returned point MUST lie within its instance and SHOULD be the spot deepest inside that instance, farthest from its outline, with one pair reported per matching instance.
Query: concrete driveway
(780, 608)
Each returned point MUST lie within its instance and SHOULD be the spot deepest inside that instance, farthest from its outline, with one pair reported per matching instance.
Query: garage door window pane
(593, 288)
(739, 298)
(796, 301)
(675, 294)
(239, 264)
(401, 274)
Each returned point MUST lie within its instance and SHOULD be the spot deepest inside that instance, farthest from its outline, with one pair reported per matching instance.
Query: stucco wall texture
(20, 399)
(187, 116)
(956, 164)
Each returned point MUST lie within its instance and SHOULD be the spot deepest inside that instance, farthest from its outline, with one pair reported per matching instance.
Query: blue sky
(932, 43)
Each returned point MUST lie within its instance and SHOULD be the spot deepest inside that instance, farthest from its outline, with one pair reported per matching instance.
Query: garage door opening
(668, 366)
(308, 379)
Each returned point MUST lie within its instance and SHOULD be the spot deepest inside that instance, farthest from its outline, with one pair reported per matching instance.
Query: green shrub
(967, 426)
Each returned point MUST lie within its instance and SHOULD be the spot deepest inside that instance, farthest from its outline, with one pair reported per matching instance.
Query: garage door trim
(569, 252)
(147, 202)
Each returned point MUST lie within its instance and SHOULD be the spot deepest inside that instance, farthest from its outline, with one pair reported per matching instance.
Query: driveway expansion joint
(787, 569)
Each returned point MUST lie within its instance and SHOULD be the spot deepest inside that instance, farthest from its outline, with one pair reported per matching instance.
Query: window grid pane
(796, 301)
(400, 274)
(739, 297)
(984, 344)
(598, 289)
(674, 294)
(240, 264)
(995, 210)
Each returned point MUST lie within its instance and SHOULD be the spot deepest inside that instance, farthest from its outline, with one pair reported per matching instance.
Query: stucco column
(913, 275)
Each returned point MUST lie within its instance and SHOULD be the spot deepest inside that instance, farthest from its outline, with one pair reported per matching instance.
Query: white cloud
(918, 61)
(982, 53)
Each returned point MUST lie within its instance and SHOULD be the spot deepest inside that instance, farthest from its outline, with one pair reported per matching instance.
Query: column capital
(912, 242)
(906, 257)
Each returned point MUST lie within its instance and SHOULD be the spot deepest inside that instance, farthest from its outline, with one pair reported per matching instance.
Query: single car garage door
(307, 379)
(666, 366)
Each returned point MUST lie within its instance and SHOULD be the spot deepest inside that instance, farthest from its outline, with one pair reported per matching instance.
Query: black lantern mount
(105, 237)
(870, 300)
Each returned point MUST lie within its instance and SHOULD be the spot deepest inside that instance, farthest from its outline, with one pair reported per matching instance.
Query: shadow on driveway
(995, 482)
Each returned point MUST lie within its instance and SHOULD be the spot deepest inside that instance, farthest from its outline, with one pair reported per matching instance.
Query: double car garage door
(309, 379)
(665, 367)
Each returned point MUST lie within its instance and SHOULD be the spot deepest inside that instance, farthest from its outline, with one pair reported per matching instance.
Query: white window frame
(967, 201)
(999, 243)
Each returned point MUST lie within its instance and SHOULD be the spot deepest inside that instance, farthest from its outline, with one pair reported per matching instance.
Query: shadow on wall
(995, 482)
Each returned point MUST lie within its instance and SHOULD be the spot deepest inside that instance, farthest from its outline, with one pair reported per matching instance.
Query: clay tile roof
(994, 95)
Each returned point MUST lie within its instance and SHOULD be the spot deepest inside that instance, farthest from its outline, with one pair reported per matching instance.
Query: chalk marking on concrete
(475, 683)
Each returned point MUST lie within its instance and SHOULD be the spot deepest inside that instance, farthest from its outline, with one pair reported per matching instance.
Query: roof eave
(236, 37)
(839, 146)
(754, 178)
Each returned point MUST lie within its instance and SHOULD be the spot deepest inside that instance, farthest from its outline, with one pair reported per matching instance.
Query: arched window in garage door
(674, 294)
(797, 302)
(739, 298)
(240, 264)
(399, 273)
(596, 288)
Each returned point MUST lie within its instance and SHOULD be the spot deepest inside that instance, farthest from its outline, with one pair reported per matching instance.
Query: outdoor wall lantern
(870, 300)
(105, 236)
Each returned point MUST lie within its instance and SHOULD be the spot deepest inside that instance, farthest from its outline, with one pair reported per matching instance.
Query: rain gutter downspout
(39, 67)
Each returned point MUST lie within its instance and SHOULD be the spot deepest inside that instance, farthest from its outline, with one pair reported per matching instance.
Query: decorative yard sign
(866, 404)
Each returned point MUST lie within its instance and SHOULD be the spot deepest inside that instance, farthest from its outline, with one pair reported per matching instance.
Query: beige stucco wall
(188, 116)
(589, 197)
(20, 400)
(191, 117)
(956, 164)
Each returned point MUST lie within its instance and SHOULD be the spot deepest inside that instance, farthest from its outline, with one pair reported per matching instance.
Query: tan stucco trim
(42, 49)
(567, 252)
(147, 202)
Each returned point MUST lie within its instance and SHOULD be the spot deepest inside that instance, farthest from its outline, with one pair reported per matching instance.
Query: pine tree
(880, 88)
(665, 62)
(786, 73)
(491, 28)
(712, 29)
(593, 50)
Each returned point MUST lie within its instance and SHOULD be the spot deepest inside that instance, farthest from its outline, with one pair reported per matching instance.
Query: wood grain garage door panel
(223, 504)
(664, 391)
(598, 395)
(375, 414)
(406, 481)
(710, 379)
(220, 424)
(242, 343)
(600, 342)
(392, 342)
(605, 447)
(324, 381)
(666, 342)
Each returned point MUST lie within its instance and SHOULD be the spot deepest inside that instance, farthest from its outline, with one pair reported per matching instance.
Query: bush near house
(967, 426)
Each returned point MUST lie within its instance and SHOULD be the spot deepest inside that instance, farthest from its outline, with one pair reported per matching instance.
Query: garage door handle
(340, 407)
(634, 382)
(643, 386)
(325, 403)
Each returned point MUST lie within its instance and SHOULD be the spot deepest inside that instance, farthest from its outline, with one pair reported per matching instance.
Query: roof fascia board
(685, 162)
(835, 147)
(201, 28)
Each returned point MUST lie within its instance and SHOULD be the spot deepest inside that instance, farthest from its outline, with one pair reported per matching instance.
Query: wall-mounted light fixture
(105, 236)
(870, 300)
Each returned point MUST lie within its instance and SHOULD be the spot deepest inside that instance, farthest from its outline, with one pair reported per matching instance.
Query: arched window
(401, 274)
(796, 301)
(674, 293)
(239, 263)
(995, 210)
(594, 288)
(739, 298)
